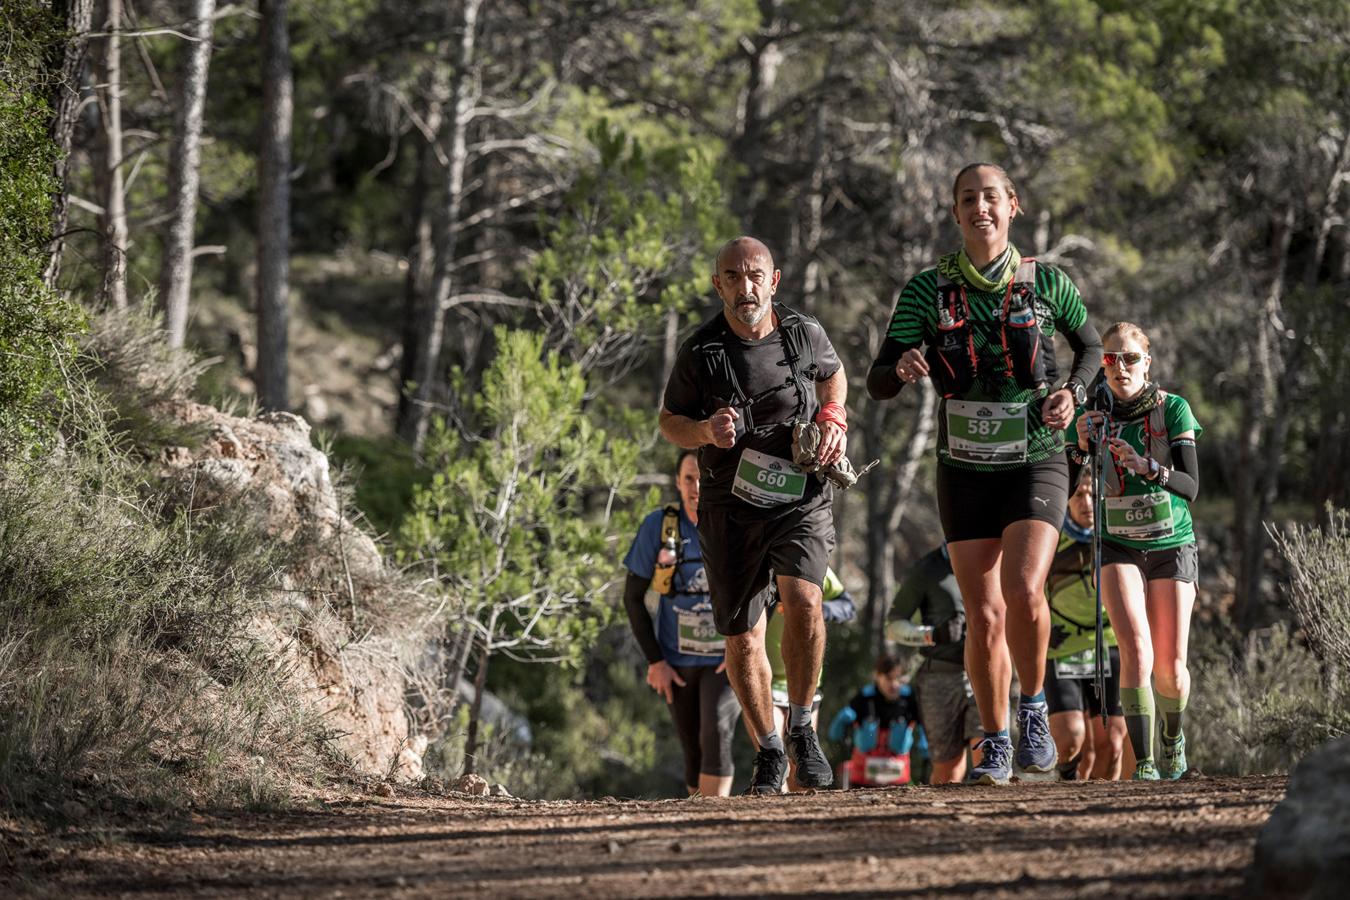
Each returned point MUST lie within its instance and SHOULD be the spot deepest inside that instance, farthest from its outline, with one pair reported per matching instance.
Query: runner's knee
(1025, 600)
(986, 620)
(801, 599)
(1136, 653)
(1069, 734)
(746, 644)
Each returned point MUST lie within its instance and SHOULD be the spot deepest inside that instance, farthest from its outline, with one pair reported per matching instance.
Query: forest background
(465, 240)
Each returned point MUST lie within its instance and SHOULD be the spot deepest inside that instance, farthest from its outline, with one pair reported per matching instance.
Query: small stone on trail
(383, 790)
(938, 803)
(676, 847)
(613, 847)
(499, 790)
(475, 785)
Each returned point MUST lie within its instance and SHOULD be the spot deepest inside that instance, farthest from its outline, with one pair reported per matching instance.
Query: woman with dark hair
(1149, 562)
(988, 317)
(685, 663)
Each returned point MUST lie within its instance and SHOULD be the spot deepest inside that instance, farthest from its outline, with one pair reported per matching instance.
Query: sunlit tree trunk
(114, 290)
(175, 273)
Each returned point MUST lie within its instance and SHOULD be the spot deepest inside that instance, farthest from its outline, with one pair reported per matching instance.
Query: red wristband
(833, 412)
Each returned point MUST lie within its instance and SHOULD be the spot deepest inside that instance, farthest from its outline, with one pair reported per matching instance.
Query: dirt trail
(1192, 838)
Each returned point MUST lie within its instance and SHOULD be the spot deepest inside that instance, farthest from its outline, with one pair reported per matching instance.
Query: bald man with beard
(738, 385)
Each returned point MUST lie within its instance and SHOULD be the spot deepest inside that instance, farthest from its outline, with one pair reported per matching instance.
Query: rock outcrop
(354, 677)
(1304, 850)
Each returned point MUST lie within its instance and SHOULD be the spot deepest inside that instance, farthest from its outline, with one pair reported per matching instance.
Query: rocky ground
(1192, 838)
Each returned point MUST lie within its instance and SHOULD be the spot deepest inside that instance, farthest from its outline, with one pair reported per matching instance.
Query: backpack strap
(717, 368)
(800, 355)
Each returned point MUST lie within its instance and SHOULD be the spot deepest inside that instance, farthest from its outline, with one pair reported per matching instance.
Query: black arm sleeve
(1184, 479)
(634, 590)
(1087, 353)
(882, 382)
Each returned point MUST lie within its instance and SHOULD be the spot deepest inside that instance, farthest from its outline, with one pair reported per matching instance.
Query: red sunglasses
(1128, 359)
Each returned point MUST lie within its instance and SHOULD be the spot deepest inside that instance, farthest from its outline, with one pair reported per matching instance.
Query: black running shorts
(1174, 563)
(1078, 694)
(979, 505)
(739, 550)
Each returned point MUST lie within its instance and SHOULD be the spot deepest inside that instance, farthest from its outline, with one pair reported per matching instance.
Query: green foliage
(35, 324)
(503, 523)
(385, 475)
(1114, 75)
(634, 240)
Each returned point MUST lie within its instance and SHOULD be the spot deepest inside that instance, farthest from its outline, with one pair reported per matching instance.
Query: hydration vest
(725, 388)
(952, 359)
(1157, 445)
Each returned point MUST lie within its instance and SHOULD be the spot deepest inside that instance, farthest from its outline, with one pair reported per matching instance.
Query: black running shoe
(813, 769)
(770, 769)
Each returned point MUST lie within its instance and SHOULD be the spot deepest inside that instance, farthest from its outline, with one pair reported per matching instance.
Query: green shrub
(35, 323)
(1318, 591)
(1256, 703)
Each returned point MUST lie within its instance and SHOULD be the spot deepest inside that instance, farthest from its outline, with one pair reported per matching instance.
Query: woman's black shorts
(1175, 563)
(979, 505)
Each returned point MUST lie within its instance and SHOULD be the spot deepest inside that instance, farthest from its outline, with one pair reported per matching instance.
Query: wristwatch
(1152, 469)
(1076, 388)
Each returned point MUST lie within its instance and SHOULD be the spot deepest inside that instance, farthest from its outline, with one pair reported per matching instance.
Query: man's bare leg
(801, 605)
(752, 678)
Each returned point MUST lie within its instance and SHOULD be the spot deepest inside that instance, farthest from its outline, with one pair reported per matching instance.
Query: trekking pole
(1097, 437)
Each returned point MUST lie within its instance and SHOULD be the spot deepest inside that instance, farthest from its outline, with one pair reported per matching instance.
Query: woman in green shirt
(989, 318)
(1149, 563)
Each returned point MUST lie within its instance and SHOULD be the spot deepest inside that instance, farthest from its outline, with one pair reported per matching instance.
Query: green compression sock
(1137, 704)
(1170, 709)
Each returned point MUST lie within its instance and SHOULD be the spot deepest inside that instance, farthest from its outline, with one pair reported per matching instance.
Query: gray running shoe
(1035, 747)
(813, 769)
(770, 770)
(995, 762)
(1172, 759)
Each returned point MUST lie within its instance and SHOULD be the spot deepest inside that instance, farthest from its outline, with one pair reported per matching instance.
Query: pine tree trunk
(476, 709)
(765, 59)
(66, 60)
(274, 207)
(422, 253)
(1255, 481)
(175, 272)
(431, 324)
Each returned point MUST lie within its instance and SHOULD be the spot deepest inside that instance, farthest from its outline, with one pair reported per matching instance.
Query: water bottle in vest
(664, 575)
